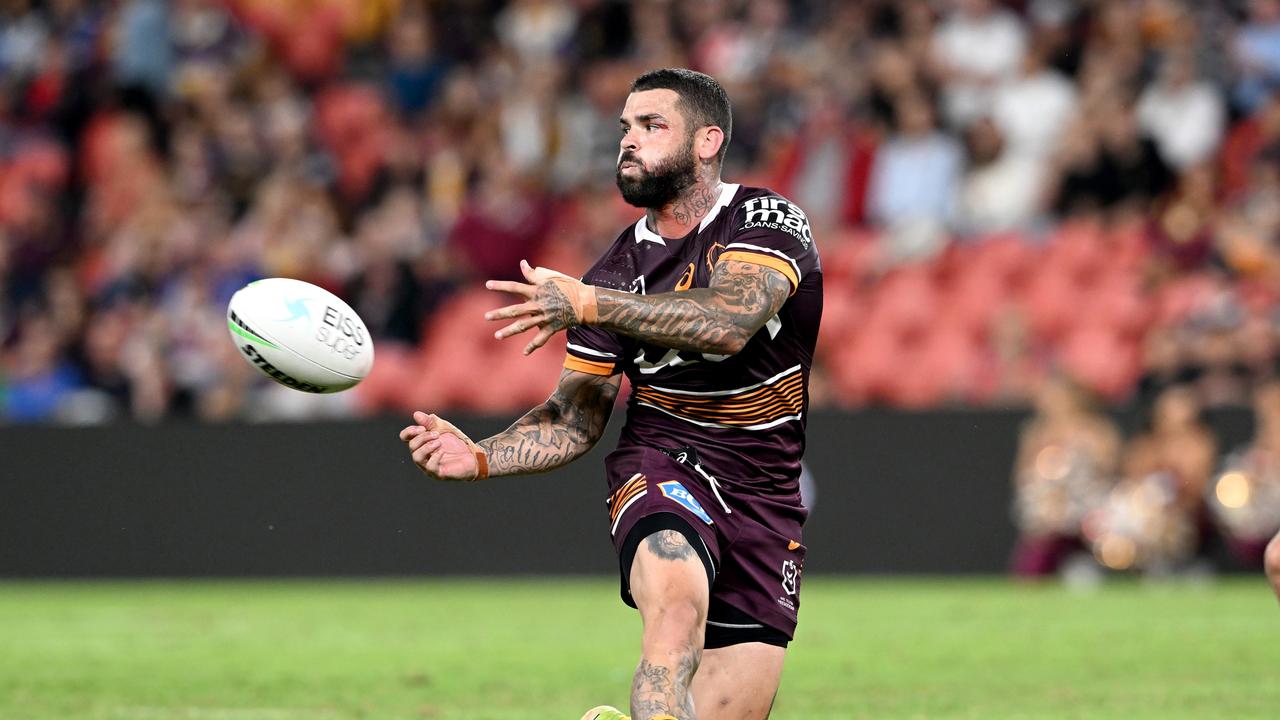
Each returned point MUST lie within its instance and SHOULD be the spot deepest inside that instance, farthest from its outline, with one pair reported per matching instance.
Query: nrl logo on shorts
(790, 576)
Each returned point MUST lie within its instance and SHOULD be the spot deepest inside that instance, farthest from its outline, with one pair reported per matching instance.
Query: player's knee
(1272, 559)
(674, 623)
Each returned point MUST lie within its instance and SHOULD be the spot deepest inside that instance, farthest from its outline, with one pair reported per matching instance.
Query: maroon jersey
(744, 414)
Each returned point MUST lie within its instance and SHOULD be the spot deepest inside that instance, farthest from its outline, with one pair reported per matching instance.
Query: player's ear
(707, 142)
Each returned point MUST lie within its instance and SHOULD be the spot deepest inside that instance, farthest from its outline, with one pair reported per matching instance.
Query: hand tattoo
(556, 305)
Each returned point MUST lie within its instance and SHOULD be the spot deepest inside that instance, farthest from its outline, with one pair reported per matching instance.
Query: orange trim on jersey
(754, 407)
(631, 489)
(632, 484)
(711, 266)
(783, 386)
(589, 367)
(729, 417)
(768, 261)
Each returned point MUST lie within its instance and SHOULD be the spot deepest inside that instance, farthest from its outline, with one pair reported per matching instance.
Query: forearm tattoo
(564, 427)
(659, 690)
(742, 297)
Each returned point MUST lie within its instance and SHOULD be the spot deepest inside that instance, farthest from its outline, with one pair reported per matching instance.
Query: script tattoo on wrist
(565, 426)
(724, 316)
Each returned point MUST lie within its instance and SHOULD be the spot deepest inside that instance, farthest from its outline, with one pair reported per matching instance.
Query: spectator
(826, 167)
(536, 29)
(1184, 115)
(414, 73)
(24, 33)
(39, 375)
(978, 46)
(1154, 519)
(1033, 108)
(1245, 499)
(1068, 454)
(1256, 52)
(156, 156)
(143, 53)
(1108, 165)
(1178, 444)
(914, 182)
(1001, 190)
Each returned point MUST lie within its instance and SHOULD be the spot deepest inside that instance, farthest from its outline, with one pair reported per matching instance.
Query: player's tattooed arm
(717, 319)
(556, 432)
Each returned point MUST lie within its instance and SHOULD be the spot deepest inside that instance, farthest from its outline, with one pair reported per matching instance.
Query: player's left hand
(555, 302)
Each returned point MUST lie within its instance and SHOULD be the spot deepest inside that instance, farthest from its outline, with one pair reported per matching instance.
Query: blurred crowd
(1002, 192)
(1166, 500)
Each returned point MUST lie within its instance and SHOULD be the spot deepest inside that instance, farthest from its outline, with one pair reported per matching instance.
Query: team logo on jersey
(673, 490)
(774, 213)
(686, 280)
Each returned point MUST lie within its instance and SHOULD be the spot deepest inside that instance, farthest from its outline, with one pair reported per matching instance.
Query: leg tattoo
(670, 545)
(659, 690)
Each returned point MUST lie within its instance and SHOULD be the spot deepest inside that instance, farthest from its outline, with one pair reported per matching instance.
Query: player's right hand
(442, 451)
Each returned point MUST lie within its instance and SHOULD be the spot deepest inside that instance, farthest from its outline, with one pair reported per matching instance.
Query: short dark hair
(702, 100)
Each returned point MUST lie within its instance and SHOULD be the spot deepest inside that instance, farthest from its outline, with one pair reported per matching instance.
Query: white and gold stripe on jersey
(763, 405)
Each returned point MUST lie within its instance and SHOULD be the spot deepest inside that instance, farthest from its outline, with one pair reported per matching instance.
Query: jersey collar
(727, 191)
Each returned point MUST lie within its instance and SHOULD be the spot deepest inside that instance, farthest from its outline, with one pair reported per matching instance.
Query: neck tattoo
(693, 207)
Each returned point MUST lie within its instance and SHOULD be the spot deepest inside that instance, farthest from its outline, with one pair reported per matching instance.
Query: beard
(655, 188)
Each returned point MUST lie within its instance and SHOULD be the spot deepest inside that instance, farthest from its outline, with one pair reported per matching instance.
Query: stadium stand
(997, 188)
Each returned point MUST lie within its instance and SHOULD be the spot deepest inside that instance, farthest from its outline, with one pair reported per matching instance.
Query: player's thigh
(669, 583)
(738, 682)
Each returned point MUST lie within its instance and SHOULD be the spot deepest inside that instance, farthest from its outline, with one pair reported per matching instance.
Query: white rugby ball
(300, 335)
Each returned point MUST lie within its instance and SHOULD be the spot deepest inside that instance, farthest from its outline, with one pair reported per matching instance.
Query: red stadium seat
(352, 120)
(1179, 298)
(844, 312)
(850, 255)
(1052, 302)
(43, 162)
(1119, 303)
(395, 369)
(1102, 360)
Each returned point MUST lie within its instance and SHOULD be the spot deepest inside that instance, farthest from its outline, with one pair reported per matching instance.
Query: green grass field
(484, 650)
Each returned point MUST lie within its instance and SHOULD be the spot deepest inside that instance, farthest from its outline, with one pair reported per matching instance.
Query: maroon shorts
(753, 542)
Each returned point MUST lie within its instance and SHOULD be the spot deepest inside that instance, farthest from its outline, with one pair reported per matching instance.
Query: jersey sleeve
(593, 351)
(773, 232)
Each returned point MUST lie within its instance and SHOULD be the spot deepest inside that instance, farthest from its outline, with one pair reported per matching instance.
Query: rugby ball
(300, 335)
